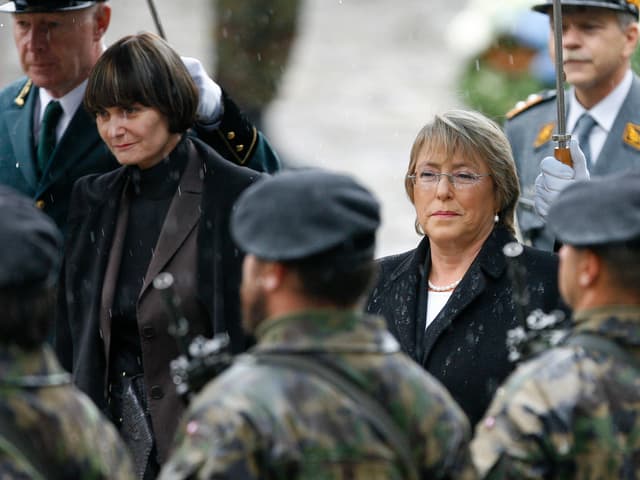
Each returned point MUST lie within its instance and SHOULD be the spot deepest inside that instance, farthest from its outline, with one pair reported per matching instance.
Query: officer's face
(58, 49)
(136, 135)
(460, 216)
(596, 48)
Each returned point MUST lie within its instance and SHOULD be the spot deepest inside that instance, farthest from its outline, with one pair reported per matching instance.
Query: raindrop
(477, 64)
(17, 164)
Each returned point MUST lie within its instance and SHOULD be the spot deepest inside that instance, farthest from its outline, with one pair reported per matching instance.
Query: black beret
(629, 6)
(601, 211)
(30, 242)
(299, 214)
(43, 6)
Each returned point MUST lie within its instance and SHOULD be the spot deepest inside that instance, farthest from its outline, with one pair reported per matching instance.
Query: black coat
(465, 345)
(195, 236)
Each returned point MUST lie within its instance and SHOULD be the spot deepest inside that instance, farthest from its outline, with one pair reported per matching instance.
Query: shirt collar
(605, 111)
(69, 102)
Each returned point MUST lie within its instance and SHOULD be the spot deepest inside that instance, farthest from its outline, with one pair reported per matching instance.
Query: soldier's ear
(271, 275)
(590, 269)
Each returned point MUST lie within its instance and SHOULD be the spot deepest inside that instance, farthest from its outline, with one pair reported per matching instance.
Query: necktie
(582, 130)
(47, 140)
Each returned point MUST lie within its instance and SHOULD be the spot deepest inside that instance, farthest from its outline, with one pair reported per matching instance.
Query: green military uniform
(253, 41)
(261, 420)
(572, 412)
(48, 428)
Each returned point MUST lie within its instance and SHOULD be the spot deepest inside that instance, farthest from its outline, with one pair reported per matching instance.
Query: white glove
(555, 176)
(210, 103)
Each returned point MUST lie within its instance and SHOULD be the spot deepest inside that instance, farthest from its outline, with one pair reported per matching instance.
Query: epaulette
(24, 91)
(533, 99)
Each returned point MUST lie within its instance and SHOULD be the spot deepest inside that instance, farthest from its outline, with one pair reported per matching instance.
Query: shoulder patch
(24, 91)
(533, 99)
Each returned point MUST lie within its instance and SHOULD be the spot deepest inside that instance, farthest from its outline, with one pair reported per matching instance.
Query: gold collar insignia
(19, 100)
(544, 135)
(631, 135)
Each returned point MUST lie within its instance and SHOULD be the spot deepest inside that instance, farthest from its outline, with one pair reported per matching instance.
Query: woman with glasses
(450, 301)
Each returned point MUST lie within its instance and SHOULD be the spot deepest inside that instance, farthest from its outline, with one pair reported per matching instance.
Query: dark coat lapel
(20, 123)
(182, 217)
(112, 270)
(396, 298)
(474, 282)
(616, 155)
(79, 139)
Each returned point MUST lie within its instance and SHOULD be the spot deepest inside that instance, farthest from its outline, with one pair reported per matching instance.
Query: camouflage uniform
(573, 412)
(55, 429)
(266, 421)
(253, 42)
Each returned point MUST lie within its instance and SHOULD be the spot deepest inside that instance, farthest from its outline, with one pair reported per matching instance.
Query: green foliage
(494, 92)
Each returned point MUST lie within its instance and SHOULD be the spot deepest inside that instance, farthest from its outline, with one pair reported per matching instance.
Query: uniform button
(156, 392)
(239, 148)
(231, 135)
(148, 332)
(40, 204)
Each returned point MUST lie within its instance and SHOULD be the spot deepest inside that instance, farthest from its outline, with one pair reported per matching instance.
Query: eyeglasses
(429, 179)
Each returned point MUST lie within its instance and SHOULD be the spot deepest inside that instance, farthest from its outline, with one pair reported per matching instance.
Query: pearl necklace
(444, 288)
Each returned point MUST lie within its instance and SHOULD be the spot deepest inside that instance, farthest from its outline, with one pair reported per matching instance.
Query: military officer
(48, 140)
(603, 104)
(48, 428)
(326, 392)
(574, 411)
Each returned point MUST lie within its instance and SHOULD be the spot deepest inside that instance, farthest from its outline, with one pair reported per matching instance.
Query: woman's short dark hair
(143, 69)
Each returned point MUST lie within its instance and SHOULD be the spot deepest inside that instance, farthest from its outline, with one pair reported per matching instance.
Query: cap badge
(544, 135)
(631, 135)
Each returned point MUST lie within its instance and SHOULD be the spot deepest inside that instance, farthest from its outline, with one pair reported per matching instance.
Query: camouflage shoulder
(531, 101)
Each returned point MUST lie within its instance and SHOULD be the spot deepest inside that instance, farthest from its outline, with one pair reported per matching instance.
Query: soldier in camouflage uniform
(272, 414)
(574, 411)
(48, 428)
(253, 43)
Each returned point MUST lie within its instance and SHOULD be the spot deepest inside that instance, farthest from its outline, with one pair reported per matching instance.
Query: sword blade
(561, 135)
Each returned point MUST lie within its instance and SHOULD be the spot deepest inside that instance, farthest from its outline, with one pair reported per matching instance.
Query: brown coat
(194, 245)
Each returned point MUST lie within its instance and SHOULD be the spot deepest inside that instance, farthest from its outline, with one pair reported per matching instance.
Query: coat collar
(610, 158)
(326, 331)
(38, 367)
(618, 322)
(80, 137)
(19, 119)
(183, 214)
(490, 263)
(406, 285)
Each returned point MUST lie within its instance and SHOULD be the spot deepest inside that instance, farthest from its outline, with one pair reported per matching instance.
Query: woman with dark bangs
(165, 209)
